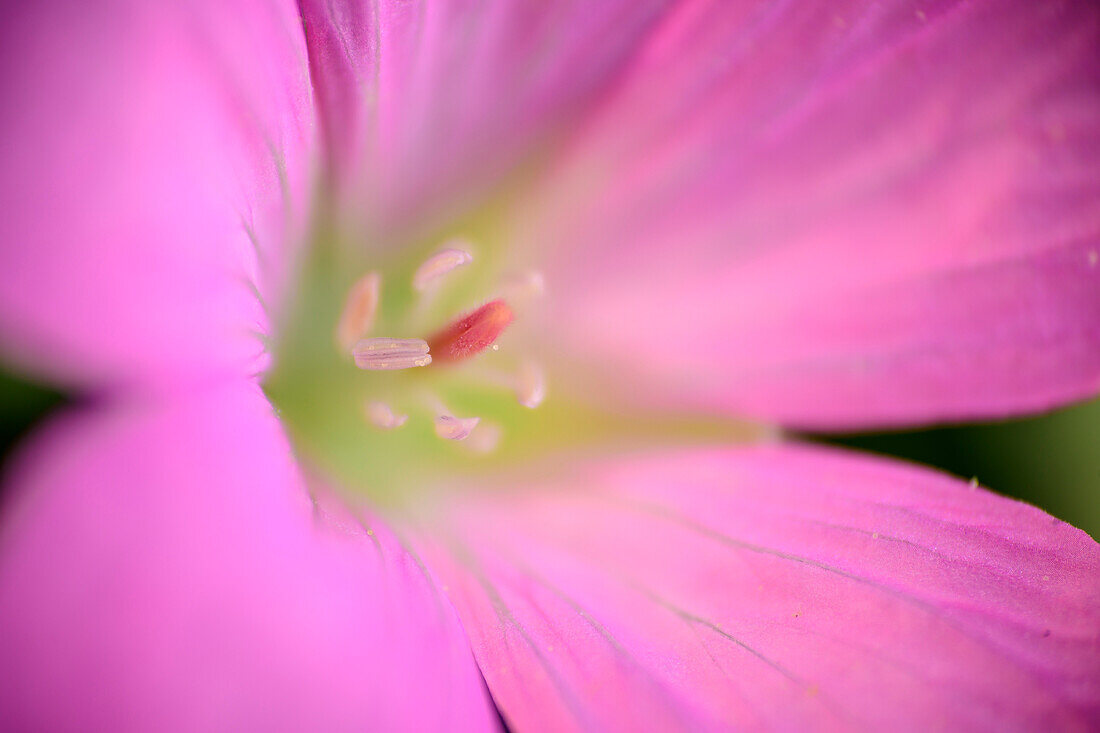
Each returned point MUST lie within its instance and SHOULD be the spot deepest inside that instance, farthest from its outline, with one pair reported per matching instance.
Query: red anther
(471, 334)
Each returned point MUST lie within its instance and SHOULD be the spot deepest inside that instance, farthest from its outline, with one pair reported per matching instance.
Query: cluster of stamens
(463, 338)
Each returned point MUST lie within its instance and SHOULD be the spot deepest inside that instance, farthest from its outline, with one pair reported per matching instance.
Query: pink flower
(817, 216)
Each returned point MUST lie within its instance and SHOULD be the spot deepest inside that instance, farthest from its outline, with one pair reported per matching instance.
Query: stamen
(381, 416)
(471, 333)
(446, 424)
(530, 385)
(485, 438)
(360, 308)
(455, 428)
(524, 286)
(439, 265)
(391, 353)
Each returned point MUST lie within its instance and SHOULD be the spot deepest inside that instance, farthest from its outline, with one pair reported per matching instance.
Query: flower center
(399, 371)
(463, 338)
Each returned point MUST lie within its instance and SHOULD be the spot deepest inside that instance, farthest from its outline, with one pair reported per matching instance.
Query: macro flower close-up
(459, 365)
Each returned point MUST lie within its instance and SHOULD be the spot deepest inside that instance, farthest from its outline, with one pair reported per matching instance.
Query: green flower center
(345, 421)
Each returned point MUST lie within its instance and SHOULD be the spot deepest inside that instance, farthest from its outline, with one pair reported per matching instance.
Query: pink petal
(164, 569)
(427, 99)
(777, 588)
(853, 214)
(156, 168)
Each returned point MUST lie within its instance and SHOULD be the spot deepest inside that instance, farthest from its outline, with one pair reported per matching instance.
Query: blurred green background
(1052, 461)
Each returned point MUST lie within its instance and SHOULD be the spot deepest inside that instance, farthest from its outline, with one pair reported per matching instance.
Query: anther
(448, 426)
(455, 428)
(381, 416)
(523, 286)
(530, 385)
(471, 333)
(439, 265)
(360, 308)
(485, 438)
(391, 353)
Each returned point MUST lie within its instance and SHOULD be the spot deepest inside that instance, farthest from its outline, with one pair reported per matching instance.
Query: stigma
(472, 333)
